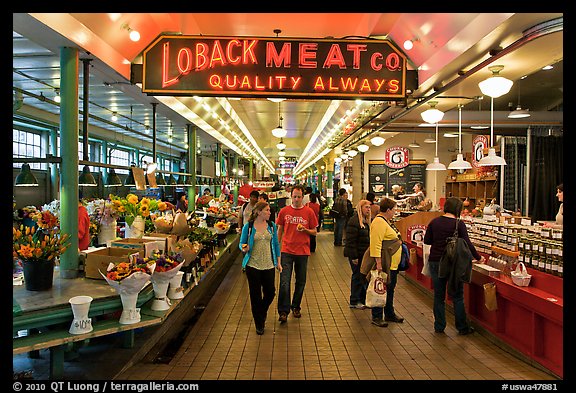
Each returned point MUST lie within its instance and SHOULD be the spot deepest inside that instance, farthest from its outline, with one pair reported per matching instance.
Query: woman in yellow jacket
(381, 229)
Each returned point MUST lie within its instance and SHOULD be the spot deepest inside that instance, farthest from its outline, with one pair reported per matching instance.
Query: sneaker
(439, 331)
(259, 331)
(468, 330)
(358, 306)
(296, 313)
(394, 318)
(283, 317)
(379, 322)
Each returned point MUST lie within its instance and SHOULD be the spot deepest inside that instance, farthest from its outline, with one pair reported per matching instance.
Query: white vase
(176, 291)
(136, 230)
(161, 301)
(130, 314)
(80, 307)
(107, 232)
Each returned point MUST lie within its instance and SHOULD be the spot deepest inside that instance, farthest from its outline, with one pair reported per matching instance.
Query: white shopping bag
(376, 292)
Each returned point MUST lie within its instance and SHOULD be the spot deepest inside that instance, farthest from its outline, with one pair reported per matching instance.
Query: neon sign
(273, 67)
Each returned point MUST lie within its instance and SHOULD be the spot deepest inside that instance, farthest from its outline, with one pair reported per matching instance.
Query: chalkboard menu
(381, 178)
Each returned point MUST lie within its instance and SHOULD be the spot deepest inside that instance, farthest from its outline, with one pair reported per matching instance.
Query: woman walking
(382, 229)
(259, 243)
(438, 231)
(357, 242)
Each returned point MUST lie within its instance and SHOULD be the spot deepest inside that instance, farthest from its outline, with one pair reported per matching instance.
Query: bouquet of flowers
(166, 267)
(128, 279)
(30, 244)
(188, 249)
(222, 227)
(53, 207)
(24, 215)
(203, 201)
(130, 207)
(163, 223)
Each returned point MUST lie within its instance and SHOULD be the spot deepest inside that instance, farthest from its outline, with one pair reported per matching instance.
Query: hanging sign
(396, 157)
(179, 65)
(479, 143)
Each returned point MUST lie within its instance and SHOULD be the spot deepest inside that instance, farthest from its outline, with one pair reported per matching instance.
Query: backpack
(456, 262)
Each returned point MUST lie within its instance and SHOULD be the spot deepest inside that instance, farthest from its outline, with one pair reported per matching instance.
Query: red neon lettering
(335, 57)
(379, 83)
(365, 86)
(319, 84)
(393, 85)
(295, 82)
(245, 82)
(393, 61)
(165, 63)
(232, 59)
(256, 85)
(201, 58)
(281, 79)
(217, 55)
(330, 87)
(373, 58)
(233, 84)
(278, 59)
(356, 49)
(248, 52)
(185, 61)
(307, 55)
(348, 84)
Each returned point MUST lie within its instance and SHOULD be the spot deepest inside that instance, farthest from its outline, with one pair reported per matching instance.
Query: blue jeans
(358, 284)
(340, 223)
(388, 309)
(440, 301)
(299, 264)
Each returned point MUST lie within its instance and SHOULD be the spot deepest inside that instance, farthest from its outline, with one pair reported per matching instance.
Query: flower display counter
(45, 316)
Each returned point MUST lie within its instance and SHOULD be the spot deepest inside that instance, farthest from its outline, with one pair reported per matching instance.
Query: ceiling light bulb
(408, 44)
(114, 116)
(134, 35)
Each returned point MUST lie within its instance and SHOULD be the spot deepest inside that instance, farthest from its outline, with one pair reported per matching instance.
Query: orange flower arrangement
(29, 244)
(125, 269)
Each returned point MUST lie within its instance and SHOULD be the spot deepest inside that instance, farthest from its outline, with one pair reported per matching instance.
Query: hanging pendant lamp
(432, 115)
(279, 132)
(436, 165)
(26, 178)
(113, 179)
(130, 182)
(492, 159)
(86, 178)
(460, 163)
(519, 113)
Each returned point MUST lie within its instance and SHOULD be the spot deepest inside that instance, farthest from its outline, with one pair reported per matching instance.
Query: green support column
(218, 189)
(54, 181)
(104, 158)
(329, 179)
(69, 129)
(192, 167)
(235, 189)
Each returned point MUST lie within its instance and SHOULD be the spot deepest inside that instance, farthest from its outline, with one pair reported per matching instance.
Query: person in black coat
(357, 241)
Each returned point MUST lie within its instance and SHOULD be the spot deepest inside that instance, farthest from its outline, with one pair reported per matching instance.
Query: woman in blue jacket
(261, 248)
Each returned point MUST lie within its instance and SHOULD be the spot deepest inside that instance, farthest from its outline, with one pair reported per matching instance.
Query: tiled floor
(330, 341)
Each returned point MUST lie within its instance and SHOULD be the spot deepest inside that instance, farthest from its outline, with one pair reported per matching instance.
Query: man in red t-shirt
(296, 223)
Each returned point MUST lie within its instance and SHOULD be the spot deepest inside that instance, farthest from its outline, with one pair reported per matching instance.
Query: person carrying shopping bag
(261, 248)
(357, 242)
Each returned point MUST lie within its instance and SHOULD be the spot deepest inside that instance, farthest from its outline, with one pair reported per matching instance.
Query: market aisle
(330, 341)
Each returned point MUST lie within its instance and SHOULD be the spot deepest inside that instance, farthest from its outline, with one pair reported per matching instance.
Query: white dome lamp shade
(460, 163)
(279, 132)
(377, 141)
(352, 153)
(281, 145)
(432, 115)
(495, 86)
(363, 148)
(519, 113)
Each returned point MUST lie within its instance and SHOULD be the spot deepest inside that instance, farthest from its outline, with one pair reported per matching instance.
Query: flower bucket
(38, 275)
(136, 230)
(107, 232)
(176, 291)
(161, 301)
(80, 307)
(130, 314)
